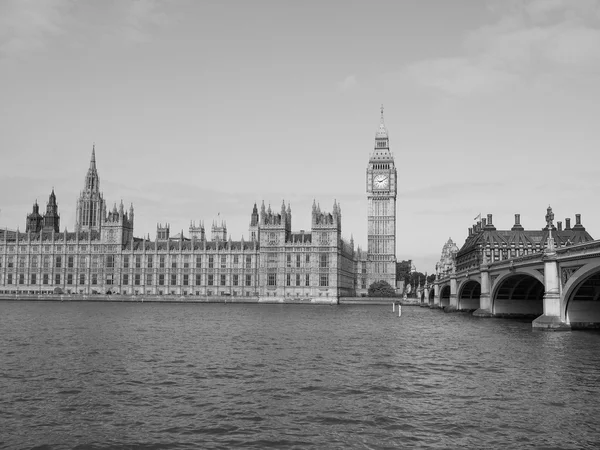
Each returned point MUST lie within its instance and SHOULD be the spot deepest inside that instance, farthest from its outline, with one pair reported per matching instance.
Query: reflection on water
(289, 376)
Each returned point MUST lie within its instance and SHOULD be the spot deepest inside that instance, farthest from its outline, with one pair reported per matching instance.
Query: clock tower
(382, 187)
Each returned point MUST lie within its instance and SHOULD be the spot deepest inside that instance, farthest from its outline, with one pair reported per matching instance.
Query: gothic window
(110, 261)
(271, 279)
(288, 260)
(248, 262)
(69, 278)
(223, 280)
(70, 260)
(235, 279)
(297, 260)
(137, 279)
(9, 278)
(138, 261)
(33, 278)
(81, 278)
(297, 279)
(324, 280)
(173, 279)
(210, 261)
(198, 279)
(149, 260)
(236, 259)
(57, 278)
(173, 262)
(149, 279)
(248, 280)
(223, 262)
(210, 279)
(125, 278)
(45, 278)
(22, 262)
(186, 279)
(323, 260)
(34, 262)
(307, 281)
(307, 258)
(271, 259)
(198, 263)
(21, 278)
(94, 279)
(162, 261)
(161, 279)
(58, 263)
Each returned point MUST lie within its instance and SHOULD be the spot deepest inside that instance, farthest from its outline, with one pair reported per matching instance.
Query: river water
(179, 376)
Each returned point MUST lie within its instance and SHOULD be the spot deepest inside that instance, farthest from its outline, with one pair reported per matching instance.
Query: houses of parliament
(103, 256)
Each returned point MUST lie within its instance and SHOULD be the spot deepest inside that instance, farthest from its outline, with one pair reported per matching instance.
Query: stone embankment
(206, 299)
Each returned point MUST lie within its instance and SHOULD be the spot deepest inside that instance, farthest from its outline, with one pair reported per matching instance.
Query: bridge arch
(445, 295)
(581, 297)
(518, 294)
(431, 296)
(469, 294)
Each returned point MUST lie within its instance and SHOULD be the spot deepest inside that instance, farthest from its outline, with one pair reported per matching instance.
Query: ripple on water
(265, 376)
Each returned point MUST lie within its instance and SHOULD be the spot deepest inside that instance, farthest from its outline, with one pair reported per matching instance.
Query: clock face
(381, 181)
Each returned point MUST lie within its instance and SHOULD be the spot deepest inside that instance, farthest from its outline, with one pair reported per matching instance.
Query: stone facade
(276, 263)
(382, 187)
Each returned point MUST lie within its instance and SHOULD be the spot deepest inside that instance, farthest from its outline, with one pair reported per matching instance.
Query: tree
(381, 289)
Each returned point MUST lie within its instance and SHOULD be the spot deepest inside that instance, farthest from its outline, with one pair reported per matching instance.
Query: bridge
(543, 275)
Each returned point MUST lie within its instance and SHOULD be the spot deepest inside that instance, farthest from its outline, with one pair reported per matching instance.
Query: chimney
(559, 225)
(578, 225)
(483, 222)
(489, 219)
(567, 223)
(517, 225)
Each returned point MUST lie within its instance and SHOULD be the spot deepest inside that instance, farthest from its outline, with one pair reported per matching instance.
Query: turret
(254, 221)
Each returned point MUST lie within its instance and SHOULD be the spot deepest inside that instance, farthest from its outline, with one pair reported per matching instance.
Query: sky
(199, 109)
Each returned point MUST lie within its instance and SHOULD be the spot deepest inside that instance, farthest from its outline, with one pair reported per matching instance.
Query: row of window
(272, 280)
(136, 280)
(109, 261)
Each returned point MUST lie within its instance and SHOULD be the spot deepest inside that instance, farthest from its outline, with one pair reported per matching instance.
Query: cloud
(28, 25)
(143, 17)
(348, 83)
(529, 43)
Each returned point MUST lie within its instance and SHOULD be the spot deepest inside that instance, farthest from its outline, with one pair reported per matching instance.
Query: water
(160, 376)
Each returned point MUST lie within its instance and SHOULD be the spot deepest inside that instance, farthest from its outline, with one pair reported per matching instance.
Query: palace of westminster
(102, 255)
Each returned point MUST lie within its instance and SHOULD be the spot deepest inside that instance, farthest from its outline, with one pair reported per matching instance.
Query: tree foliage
(381, 289)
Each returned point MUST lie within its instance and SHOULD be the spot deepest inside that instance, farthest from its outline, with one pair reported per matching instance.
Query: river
(178, 376)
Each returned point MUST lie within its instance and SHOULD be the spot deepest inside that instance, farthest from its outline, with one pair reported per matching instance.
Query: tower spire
(93, 160)
(382, 132)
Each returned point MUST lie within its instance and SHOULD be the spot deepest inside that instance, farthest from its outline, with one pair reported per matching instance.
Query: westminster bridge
(559, 287)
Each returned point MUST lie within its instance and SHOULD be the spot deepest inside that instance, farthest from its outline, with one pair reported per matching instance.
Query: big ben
(382, 187)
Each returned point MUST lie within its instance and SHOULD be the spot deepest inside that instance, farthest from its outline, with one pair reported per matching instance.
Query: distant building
(485, 241)
(102, 255)
(379, 262)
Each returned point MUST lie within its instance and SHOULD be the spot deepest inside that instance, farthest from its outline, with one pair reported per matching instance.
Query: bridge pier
(436, 295)
(551, 320)
(485, 299)
(453, 293)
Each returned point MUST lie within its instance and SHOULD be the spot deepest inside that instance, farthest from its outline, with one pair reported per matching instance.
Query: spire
(93, 160)
(382, 132)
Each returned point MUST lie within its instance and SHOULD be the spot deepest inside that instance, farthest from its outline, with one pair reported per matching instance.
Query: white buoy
(393, 306)
(399, 309)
